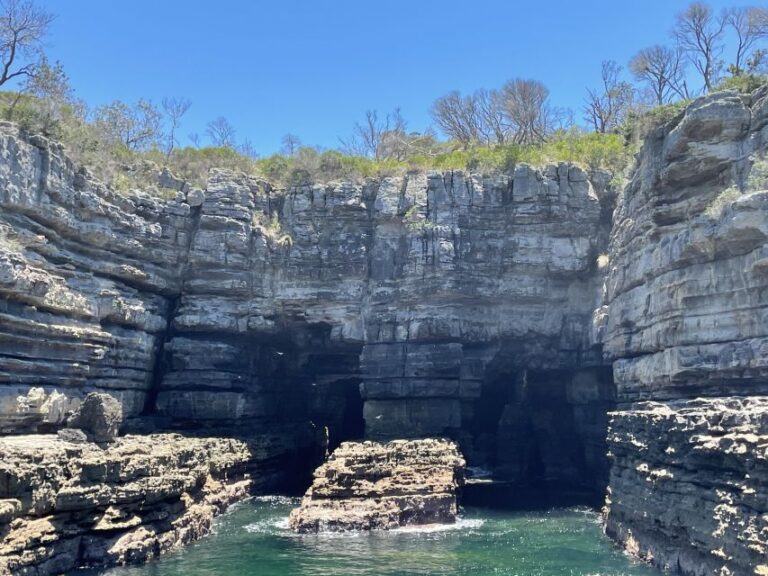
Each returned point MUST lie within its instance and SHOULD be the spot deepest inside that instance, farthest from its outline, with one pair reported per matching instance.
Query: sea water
(253, 539)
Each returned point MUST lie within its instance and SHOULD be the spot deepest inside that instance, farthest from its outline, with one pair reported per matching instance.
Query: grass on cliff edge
(592, 151)
(124, 169)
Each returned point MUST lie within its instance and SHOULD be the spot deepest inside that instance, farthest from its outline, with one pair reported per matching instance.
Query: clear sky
(313, 67)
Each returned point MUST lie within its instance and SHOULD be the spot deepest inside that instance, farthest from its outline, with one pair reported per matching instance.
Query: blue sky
(313, 68)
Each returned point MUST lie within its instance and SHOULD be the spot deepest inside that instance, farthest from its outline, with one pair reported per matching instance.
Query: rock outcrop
(65, 505)
(689, 487)
(370, 485)
(684, 323)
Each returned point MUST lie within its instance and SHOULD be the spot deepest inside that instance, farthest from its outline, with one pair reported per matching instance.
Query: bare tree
(458, 117)
(137, 127)
(377, 138)
(22, 29)
(662, 71)
(699, 34)
(291, 143)
(607, 107)
(490, 110)
(194, 137)
(473, 119)
(221, 133)
(247, 149)
(749, 25)
(174, 109)
(527, 110)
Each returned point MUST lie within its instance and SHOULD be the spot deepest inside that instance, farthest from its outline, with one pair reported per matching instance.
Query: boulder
(99, 416)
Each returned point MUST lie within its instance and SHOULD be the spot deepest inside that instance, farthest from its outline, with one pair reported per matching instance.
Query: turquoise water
(252, 539)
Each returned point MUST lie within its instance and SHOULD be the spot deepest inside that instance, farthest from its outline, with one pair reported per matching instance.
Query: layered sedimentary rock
(689, 487)
(423, 304)
(686, 303)
(65, 505)
(370, 485)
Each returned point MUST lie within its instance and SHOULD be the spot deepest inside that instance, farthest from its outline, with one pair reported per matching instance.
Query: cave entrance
(541, 436)
(336, 404)
(339, 409)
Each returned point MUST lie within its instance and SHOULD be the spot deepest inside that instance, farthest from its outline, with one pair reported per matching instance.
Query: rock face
(684, 322)
(65, 505)
(369, 485)
(99, 415)
(430, 304)
(689, 488)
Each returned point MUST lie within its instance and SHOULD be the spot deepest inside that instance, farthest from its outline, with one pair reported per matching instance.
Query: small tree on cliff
(662, 71)
(607, 107)
(137, 126)
(528, 113)
(749, 26)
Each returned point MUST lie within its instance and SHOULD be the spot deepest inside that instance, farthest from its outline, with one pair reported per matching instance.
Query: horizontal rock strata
(684, 322)
(246, 307)
(369, 485)
(64, 505)
(689, 484)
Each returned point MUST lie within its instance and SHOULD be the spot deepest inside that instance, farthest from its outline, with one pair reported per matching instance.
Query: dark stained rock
(369, 486)
(688, 484)
(99, 415)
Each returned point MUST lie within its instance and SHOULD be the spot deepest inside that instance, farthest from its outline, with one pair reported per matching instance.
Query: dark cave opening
(538, 434)
(539, 438)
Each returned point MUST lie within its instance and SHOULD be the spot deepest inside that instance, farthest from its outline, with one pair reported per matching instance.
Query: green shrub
(743, 83)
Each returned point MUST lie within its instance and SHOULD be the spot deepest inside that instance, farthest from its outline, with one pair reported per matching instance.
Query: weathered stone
(425, 288)
(689, 484)
(65, 505)
(368, 485)
(99, 415)
(685, 316)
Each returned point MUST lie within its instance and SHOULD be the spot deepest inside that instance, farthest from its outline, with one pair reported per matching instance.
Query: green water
(252, 539)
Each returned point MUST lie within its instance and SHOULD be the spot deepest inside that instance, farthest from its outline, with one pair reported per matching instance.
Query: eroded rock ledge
(64, 505)
(370, 485)
(689, 484)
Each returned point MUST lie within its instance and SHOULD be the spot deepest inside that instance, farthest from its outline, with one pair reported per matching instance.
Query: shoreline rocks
(371, 485)
(64, 505)
(688, 485)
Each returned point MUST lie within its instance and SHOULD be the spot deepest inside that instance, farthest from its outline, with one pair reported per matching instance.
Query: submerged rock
(371, 485)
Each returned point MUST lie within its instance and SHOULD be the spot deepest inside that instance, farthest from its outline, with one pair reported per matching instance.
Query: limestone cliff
(430, 304)
(446, 304)
(685, 317)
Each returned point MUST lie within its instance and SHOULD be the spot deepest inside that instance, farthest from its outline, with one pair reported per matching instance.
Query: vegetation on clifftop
(127, 144)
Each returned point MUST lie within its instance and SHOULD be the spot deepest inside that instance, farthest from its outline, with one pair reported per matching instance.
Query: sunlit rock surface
(684, 322)
(370, 485)
(428, 304)
(65, 505)
(689, 485)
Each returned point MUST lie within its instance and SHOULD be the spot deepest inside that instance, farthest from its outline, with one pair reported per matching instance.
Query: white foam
(280, 525)
(267, 526)
(460, 524)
